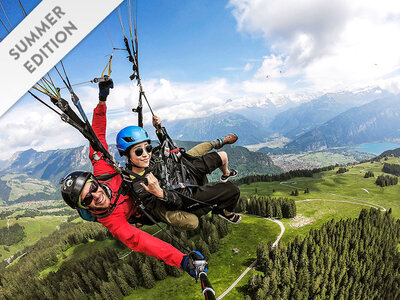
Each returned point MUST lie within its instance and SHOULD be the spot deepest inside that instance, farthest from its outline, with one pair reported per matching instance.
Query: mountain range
(259, 124)
(371, 122)
(46, 168)
(218, 125)
(330, 121)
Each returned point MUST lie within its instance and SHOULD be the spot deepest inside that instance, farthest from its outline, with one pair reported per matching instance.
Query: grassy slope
(349, 184)
(77, 252)
(22, 185)
(226, 266)
(35, 228)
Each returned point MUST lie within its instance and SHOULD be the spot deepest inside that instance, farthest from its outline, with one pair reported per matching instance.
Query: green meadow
(342, 196)
(34, 228)
(331, 196)
(225, 266)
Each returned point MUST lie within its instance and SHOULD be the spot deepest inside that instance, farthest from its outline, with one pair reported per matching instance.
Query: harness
(137, 217)
(173, 168)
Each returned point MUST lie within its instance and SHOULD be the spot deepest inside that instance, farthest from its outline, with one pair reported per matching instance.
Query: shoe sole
(227, 143)
(225, 180)
(226, 219)
(230, 142)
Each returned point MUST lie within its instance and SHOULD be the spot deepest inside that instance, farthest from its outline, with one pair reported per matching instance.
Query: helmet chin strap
(131, 164)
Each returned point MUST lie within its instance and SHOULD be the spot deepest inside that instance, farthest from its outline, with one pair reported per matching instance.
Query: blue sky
(197, 54)
(178, 40)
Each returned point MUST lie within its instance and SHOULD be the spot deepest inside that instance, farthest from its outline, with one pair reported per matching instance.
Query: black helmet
(72, 186)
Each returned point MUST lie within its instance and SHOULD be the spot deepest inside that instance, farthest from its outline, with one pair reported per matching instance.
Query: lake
(376, 148)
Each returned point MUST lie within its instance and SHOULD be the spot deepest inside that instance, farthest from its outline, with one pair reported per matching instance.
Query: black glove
(104, 88)
(140, 191)
(194, 263)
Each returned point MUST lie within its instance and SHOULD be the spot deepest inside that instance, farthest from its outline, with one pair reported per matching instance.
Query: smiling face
(100, 198)
(141, 161)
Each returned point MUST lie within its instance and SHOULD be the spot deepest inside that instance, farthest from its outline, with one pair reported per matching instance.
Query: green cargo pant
(182, 220)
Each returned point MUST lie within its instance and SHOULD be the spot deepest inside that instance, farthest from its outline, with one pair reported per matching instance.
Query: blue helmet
(130, 136)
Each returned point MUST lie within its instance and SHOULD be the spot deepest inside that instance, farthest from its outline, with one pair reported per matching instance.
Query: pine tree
(123, 285)
(173, 271)
(130, 276)
(96, 296)
(110, 291)
(241, 206)
(213, 239)
(148, 277)
(279, 212)
(202, 247)
(270, 211)
(158, 269)
(221, 225)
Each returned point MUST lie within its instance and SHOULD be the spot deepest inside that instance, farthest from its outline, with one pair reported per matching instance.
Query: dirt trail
(254, 262)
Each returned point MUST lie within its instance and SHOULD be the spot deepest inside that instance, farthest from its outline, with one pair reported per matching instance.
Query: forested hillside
(348, 259)
(107, 276)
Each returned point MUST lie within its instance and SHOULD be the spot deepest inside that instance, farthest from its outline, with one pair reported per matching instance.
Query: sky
(200, 57)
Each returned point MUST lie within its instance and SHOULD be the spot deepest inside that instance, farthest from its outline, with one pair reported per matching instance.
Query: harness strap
(175, 150)
(106, 177)
(197, 203)
(182, 185)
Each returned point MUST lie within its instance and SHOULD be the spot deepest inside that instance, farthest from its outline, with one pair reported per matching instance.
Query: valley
(331, 196)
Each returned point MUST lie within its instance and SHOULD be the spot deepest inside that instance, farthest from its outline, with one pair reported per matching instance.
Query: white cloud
(315, 46)
(30, 125)
(327, 45)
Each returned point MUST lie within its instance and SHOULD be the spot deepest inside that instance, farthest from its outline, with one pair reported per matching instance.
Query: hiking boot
(232, 218)
(228, 139)
(232, 173)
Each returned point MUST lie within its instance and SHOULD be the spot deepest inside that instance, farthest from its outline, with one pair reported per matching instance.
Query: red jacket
(117, 221)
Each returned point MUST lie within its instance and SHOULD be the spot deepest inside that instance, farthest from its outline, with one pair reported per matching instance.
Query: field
(226, 266)
(34, 228)
(348, 195)
(317, 159)
(331, 196)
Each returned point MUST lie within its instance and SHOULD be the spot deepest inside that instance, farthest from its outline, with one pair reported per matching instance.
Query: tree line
(349, 259)
(283, 176)
(342, 170)
(269, 207)
(12, 235)
(369, 174)
(44, 252)
(393, 169)
(31, 213)
(386, 180)
(4, 214)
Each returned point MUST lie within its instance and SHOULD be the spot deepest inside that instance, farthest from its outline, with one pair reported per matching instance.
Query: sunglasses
(94, 185)
(139, 151)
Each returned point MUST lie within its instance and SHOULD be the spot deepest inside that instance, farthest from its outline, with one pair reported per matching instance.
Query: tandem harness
(173, 167)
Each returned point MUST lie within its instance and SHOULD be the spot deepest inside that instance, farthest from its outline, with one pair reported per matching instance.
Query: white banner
(42, 39)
